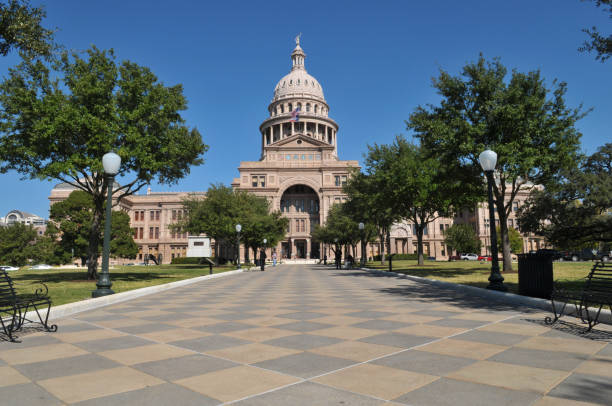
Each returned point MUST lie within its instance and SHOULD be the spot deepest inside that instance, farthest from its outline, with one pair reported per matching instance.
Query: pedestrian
(274, 258)
(262, 259)
(338, 260)
(349, 260)
(325, 259)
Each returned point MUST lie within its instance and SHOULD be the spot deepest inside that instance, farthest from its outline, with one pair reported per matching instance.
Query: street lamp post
(361, 229)
(111, 163)
(238, 228)
(488, 159)
(262, 257)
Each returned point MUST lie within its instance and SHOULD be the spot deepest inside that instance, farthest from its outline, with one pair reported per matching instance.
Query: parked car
(469, 257)
(8, 268)
(40, 266)
(586, 255)
(553, 253)
(485, 258)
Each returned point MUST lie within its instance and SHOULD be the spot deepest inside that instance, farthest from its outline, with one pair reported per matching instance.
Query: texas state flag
(295, 115)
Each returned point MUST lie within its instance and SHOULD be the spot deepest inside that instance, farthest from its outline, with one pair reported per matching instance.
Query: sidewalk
(309, 335)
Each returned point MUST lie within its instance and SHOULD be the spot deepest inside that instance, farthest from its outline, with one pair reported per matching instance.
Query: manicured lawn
(474, 273)
(71, 285)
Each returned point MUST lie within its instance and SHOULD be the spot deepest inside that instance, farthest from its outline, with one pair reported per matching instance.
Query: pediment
(300, 141)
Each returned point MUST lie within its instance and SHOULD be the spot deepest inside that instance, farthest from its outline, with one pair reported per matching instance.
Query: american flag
(295, 115)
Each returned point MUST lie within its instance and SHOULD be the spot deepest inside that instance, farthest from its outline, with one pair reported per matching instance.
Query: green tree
(462, 238)
(339, 230)
(217, 214)
(74, 218)
(418, 187)
(600, 44)
(21, 28)
(525, 123)
(16, 242)
(574, 211)
(516, 241)
(58, 120)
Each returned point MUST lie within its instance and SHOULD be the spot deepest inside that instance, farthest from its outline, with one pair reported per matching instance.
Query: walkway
(308, 335)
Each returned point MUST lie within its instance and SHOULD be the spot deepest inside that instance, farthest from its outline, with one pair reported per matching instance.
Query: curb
(506, 297)
(68, 309)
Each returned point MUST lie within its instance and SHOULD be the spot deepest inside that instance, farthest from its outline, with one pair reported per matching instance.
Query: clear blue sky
(375, 61)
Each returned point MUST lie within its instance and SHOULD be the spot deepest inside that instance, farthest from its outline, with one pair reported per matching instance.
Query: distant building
(18, 216)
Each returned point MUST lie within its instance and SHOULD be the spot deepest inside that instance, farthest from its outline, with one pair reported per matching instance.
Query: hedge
(186, 260)
(399, 257)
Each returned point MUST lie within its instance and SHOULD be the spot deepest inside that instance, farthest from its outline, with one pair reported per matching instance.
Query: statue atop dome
(297, 39)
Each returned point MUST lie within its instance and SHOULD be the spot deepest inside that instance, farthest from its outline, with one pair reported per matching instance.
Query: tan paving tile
(346, 332)
(253, 353)
(375, 380)
(553, 401)
(336, 310)
(355, 350)
(514, 328)
(339, 320)
(145, 353)
(167, 336)
(430, 330)
(462, 348)
(208, 312)
(448, 308)
(411, 318)
(147, 313)
(40, 353)
(235, 383)
(562, 344)
(10, 376)
(480, 316)
(87, 335)
(596, 366)
(517, 377)
(260, 333)
(76, 388)
(128, 322)
(266, 321)
(193, 322)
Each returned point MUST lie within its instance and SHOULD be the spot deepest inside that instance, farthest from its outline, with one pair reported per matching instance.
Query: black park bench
(15, 306)
(596, 295)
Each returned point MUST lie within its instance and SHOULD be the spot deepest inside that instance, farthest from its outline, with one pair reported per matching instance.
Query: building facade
(299, 171)
(301, 175)
(29, 219)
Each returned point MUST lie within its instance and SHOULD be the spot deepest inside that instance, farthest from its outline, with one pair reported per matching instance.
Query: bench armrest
(39, 288)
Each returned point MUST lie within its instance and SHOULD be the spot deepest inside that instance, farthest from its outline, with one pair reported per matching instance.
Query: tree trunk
(388, 241)
(94, 243)
(216, 253)
(382, 248)
(420, 259)
(505, 240)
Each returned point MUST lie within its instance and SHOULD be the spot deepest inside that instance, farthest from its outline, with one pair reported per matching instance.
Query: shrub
(398, 257)
(186, 261)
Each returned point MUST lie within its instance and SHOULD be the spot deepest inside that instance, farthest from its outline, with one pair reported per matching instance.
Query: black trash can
(535, 275)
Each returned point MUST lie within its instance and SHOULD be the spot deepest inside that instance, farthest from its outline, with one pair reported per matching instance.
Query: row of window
(154, 215)
(299, 206)
(301, 225)
(280, 108)
(339, 180)
(138, 233)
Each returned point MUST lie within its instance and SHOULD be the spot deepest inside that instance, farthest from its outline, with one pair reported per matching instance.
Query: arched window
(316, 109)
(290, 107)
(308, 107)
(275, 110)
(291, 82)
(299, 106)
(282, 108)
(298, 81)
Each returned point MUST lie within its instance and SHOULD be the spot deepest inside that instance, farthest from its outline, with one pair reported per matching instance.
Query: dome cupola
(298, 83)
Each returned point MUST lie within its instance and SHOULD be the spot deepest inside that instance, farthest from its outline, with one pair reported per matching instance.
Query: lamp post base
(496, 282)
(102, 292)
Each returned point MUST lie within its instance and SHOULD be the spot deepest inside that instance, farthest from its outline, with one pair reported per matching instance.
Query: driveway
(309, 335)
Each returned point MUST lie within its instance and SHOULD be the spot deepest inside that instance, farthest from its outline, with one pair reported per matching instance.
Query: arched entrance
(300, 204)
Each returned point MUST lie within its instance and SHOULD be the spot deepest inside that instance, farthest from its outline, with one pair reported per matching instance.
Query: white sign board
(198, 247)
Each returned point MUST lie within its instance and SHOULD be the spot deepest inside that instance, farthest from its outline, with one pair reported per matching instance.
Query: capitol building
(300, 173)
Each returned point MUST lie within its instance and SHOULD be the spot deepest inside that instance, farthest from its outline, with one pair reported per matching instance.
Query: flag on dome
(295, 115)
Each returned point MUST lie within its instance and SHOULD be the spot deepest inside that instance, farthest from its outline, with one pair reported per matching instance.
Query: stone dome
(298, 83)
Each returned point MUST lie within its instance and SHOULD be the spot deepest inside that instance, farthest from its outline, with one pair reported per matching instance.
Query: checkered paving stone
(309, 335)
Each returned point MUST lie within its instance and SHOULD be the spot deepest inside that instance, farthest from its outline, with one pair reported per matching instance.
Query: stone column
(292, 127)
(308, 248)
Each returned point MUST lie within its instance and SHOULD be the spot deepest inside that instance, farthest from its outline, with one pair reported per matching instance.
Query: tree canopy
(21, 29)
(218, 213)
(59, 119)
(461, 238)
(16, 242)
(526, 123)
(575, 209)
(597, 42)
